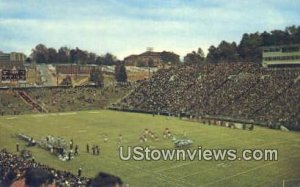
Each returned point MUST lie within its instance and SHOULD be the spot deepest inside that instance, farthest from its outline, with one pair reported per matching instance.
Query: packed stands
(14, 167)
(59, 99)
(236, 90)
(78, 98)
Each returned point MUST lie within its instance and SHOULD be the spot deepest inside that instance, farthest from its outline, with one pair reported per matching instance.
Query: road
(47, 77)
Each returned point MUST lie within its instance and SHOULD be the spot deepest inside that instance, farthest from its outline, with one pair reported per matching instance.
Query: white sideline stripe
(69, 113)
(93, 112)
(240, 173)
(40, 115)
(54, 114)
(11, 118)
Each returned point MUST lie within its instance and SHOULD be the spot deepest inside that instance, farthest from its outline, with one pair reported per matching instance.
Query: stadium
(72, 118)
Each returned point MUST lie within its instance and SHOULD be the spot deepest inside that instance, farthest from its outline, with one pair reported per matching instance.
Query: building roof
(150, 53)
(147, 53)
(131, 56)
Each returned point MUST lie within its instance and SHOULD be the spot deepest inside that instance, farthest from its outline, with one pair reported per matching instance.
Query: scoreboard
(13, 75)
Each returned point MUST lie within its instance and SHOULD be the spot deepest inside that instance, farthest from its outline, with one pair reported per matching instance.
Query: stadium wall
(213, 119)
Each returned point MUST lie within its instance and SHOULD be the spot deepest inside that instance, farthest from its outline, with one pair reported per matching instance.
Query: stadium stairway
(27, 99)
(274, 98)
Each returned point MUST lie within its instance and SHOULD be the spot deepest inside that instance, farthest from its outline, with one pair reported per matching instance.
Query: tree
(266, 39)
(63, 55)
(91, 58)
(109, 59)
(40, 54)
(195, 57)
(169, 57)
(248, 48)
(82, 56)
(294, 33)
(120, 73)
(227, 52)
(73, 56)
(96, 76)
(213, 55)
(52, 55)
(99, 60)
(28, 60)
(280, 37)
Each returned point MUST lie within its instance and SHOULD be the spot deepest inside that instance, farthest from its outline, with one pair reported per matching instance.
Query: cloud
(123, 27)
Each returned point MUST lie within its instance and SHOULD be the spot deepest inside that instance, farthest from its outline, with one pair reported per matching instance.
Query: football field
(92, 126)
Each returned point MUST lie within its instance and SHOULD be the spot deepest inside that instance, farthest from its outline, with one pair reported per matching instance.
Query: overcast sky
(125, 27)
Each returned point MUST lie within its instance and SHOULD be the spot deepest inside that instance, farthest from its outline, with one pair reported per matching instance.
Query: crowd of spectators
(60, 99)
(16, 171)
(13, 168)
(78, 98)
(236, 90)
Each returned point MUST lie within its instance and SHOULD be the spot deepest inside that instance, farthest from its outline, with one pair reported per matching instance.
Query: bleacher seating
(236, 90)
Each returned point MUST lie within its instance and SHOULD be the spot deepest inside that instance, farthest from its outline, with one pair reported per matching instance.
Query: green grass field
(90, 126)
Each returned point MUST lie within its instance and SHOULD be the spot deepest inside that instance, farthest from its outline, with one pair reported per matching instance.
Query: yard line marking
(160, 176)
(247, 171)
(268, 180)
(199, 172)
(176, 166)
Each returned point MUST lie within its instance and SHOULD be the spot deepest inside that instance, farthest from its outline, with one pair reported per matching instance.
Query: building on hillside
(281, 56)
(4, 57)
(12, 57)
(17, 57)
(152, 59)
(12, 67)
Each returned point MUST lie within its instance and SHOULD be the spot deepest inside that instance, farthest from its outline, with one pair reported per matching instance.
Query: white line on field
(246, 171)
(93, 112)
(176, 166)
(160, 176)
(199, 172)
(68, 113)
(11, 118)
